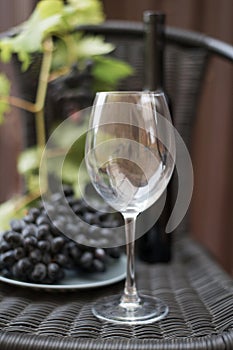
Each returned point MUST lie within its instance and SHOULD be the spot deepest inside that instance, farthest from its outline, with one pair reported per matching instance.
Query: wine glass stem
(130, 298)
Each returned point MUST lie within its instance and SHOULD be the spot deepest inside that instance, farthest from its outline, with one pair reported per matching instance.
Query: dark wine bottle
(155, 245)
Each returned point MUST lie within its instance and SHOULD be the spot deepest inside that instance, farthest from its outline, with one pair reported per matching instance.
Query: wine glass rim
(156, 93)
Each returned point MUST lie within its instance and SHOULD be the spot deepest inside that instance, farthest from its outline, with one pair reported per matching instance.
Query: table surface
(198, 292)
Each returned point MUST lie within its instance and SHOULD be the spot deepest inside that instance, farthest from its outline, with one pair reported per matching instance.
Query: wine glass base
(150, 310)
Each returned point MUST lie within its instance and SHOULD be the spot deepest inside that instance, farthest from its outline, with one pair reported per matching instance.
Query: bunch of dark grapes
(34, 250)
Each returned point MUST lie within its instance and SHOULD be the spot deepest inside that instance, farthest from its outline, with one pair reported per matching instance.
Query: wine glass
(130, 156)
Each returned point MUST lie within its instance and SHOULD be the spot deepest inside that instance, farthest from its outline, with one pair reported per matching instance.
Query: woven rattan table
(198, 292)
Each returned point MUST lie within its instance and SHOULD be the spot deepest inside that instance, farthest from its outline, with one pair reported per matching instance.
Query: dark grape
(56, 197)
(114, 223)
(51, 211)
(22, 268)
(100, 254)
(44, 246)
(42, 219)
(98, 265)
(35, 256)
(17, 225)
(68, 190)
(72, 229)
(29, 219)
(39, 273)
(42, 231)
(34, 213)
(6, 273)
(77, 208)
(29, 230)
(30, 242)
(58, 225)
(46, 258)
(57, 243)
(8, 258)
(14, 239)
(54, 271)
(114, 252)
(19, 253)
(5, 234)
(106, 232)
(86, 260)
(89, 218)
(62, 260)
(4, 247)
(2, 264)
(75, 252)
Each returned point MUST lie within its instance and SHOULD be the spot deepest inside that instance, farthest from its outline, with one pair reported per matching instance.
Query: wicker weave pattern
(199, 294)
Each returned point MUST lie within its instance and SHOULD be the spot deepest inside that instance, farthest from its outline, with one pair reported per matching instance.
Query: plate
(115, 272)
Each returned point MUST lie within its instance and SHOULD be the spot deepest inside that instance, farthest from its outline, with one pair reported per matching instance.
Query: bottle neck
(154, 51)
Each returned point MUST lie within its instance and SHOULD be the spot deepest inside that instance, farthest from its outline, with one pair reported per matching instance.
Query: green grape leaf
(108, 71)
(90, 46)
(37, 29)
(4, 85)
(29, 161)
(32, 182)
(25, 58)
(28, 166)
(74, 47)
(50, 18)
(79, 12)
(44, 21)
(4, 92)
(5, 50)
(60, 57)
(65, 52)
(49, 8)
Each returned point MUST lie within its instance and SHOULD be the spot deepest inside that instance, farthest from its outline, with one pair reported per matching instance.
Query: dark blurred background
(212, 204)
